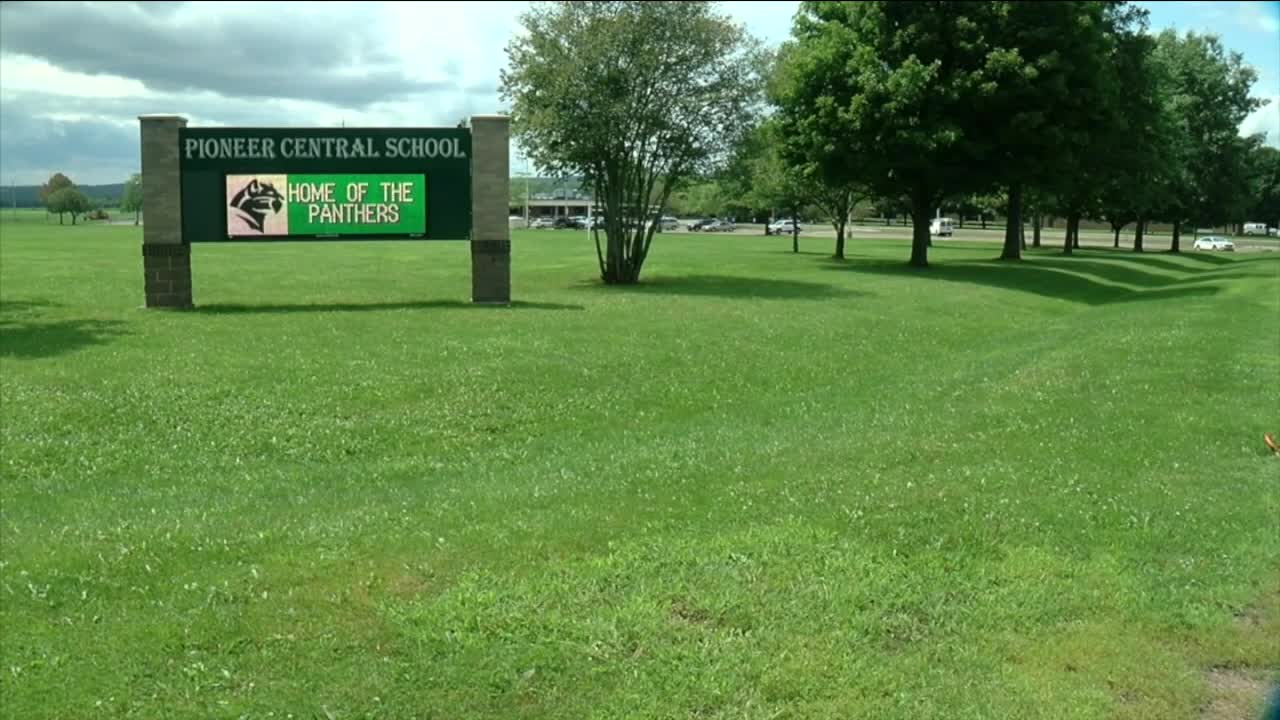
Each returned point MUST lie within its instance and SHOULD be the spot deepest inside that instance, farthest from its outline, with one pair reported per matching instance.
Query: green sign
(243, 184)
(279, 206)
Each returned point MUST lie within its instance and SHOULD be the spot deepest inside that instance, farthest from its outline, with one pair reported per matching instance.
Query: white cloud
(1265, 120)
(1258, 16)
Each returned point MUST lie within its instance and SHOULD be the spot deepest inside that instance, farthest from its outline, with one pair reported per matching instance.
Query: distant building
(542, 206)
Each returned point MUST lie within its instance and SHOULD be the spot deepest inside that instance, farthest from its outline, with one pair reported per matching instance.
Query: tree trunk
(60, 221)
(1022, 235)
(1035, 230)
(1075, 234)
(886, 221)
(1177, 231)
(920, 239)
(795, 229)
(1116, 242)
(1137, 234)
(1013, 225)
(1070, 235)
(961, 221)
(136, 215)
(983, 219)
(839, 241)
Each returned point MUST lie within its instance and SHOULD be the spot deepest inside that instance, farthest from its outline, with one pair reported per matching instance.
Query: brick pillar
(490, 199)
(166, 260)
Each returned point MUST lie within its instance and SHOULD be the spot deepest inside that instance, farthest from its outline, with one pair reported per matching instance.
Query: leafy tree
(700, 199)
(636, 97)
(131, 201)
(1264, 186)
(56, 182)
(779, 184)
(837, 199)
(68, 200)
(890, 94)
(1207, 96)
(1055, 115)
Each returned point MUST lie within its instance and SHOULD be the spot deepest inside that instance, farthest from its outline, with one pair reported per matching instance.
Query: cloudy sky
(74, 76)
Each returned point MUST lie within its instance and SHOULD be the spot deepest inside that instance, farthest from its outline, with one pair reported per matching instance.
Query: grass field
(760, 485)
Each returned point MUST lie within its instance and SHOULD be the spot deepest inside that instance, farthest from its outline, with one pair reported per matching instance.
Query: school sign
(218, 185)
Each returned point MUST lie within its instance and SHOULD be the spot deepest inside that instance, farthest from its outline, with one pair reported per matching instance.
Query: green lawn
(760, 485)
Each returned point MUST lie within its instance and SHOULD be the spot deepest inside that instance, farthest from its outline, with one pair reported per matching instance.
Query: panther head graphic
(255, 201)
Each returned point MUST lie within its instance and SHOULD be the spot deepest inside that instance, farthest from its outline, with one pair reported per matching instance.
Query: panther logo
(255, 201)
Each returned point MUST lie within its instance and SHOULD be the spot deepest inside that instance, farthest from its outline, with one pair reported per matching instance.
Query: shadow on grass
(1065, 279)
(24, 334)
(238, 309)
(727, 286)
(1156, 258)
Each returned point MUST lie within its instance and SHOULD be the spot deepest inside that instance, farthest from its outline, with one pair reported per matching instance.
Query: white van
(941, 226)
(1255, 228)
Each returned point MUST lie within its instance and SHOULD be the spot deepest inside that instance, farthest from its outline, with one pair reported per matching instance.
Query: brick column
(166, 260)
(490, 199)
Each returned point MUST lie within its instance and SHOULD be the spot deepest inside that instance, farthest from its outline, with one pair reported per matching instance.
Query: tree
(132, 198)
(887, 93)
(1054, 115)
(1207, 96)
(635, 97)
(56, 182)
(779, 184)
(1264, 187)
(68, 200)
(837, 202)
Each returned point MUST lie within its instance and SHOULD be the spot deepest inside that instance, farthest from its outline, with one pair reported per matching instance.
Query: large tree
(131, 201)
(1206, 96)
(68, 200)
(56, 182)
(1047, 115)
(1264, 187)
(635, 97)
(889, 94)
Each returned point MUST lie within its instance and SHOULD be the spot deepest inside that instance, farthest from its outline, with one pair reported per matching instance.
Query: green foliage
(635, 97)
(68, 200)
(703, 199)
(1206, 97)
(131, 200)
(1264, 186)
(522, 513)
(56, 182)
(891, 95)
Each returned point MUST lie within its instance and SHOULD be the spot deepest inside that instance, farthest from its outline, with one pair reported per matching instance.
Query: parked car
(542, 222)
(719, 226)
(784, 226)
(1214, 242)
(668, 223)
(1255, 228)
(569, 223)
(943, 227)
(697, 225)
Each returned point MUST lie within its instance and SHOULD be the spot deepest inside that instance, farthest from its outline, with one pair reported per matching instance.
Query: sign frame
(207, 156)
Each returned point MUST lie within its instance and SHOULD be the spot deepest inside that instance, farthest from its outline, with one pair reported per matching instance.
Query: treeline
(28, 196)
(1022, 109)
(62, 197)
